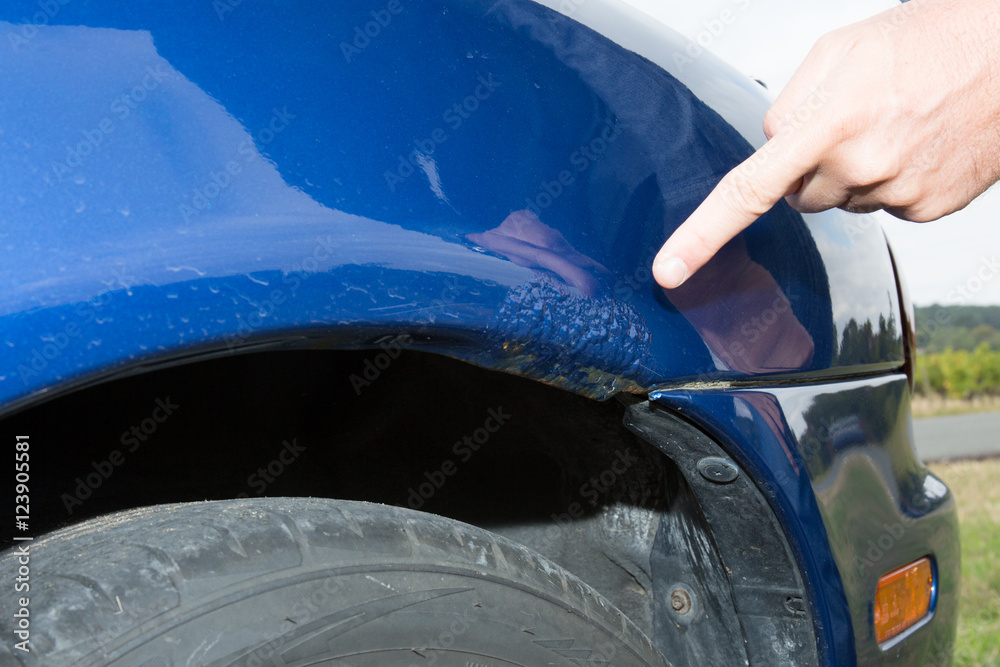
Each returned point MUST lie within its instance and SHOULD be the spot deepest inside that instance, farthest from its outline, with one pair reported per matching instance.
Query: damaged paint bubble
(594, 346)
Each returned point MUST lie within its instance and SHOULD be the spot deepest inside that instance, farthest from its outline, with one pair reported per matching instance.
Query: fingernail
(673, 273)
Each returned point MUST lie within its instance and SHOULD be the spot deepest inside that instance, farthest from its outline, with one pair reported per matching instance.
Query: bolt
(718, 470)
(680, 601)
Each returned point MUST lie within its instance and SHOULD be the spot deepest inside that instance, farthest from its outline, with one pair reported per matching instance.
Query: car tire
(302, 581)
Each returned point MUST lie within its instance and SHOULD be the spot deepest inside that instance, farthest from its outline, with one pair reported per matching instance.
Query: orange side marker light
(903, 598)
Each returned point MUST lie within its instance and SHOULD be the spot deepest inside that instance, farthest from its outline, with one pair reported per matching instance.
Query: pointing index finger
(743, 195)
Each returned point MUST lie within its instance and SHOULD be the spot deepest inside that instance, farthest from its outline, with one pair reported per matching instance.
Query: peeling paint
(593, 346)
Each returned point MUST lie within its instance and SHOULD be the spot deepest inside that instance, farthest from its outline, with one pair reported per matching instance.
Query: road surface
(958, 436)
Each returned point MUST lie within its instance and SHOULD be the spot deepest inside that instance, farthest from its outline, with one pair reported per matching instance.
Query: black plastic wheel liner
(727, 587)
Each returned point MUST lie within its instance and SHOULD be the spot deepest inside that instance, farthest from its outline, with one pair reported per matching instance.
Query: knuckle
(866, 168)
(921, 210)
(826, 42)
(703, 242)
(842, 124)
(907, 194)
(746, 195)
(772, 121)
(832, 43)
(807, 204)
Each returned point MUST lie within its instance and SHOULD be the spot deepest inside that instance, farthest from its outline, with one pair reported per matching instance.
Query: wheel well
(553, 470)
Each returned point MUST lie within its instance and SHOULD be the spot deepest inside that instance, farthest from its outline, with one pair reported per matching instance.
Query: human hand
(899, 112)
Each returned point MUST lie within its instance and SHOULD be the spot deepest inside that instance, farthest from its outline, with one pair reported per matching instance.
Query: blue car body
(483, 180)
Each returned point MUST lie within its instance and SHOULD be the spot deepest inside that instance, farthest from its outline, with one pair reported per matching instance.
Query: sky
(950, 261)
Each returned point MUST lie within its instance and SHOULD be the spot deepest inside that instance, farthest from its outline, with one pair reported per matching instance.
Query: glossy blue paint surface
(837, 463)
(196, 177)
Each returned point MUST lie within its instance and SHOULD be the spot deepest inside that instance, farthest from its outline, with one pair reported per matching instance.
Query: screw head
(718, 470)
(680, 601)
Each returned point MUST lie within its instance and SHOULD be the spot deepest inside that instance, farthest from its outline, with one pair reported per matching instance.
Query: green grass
(977, 493)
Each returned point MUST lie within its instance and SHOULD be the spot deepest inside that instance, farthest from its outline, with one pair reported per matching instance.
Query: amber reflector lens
(903, 598)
